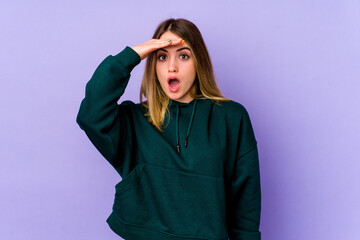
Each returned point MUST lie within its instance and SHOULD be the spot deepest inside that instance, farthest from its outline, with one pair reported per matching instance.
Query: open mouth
(174, 84)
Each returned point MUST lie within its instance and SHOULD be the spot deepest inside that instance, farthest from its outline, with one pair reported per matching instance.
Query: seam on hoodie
(185, 172)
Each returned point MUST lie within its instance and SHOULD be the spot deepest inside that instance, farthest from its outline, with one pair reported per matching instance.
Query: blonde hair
(204, 86)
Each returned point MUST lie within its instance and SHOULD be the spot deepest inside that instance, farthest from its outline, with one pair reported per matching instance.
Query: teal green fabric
(210, 190)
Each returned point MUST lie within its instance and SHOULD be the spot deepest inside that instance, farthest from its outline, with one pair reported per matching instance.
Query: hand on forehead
(175, 39)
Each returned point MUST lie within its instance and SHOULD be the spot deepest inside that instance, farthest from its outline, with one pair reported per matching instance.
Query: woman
(187, 156)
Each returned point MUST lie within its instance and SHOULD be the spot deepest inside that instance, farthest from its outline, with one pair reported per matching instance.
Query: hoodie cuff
(128, 58)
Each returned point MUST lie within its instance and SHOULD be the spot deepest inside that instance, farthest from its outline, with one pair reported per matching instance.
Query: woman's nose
(172, 66)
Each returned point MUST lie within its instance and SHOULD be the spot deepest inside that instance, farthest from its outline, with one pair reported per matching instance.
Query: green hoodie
(206, 188)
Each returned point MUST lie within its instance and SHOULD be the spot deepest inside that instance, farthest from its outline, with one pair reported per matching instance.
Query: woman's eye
(162, 57)
(184, 56)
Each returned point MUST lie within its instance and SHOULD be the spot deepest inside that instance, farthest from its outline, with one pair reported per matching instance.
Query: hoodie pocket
(129, 179)
(173, 202)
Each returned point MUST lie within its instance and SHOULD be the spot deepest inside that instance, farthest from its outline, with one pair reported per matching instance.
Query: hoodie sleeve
(244, 193)
(104, 121)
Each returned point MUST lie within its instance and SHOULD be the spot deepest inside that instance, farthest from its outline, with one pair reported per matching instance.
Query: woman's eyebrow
(176, 50)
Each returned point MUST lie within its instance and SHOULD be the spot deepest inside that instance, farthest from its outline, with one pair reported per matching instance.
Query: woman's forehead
(169, 35)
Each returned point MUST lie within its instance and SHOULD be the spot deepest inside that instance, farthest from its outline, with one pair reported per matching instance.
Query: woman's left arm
(243, 188)
(245, 198)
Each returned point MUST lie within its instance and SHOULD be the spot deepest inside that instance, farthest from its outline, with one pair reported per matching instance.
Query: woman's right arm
(106, 123)
(99, 115)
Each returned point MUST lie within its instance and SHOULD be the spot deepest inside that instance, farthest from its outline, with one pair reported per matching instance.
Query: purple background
(295, 66)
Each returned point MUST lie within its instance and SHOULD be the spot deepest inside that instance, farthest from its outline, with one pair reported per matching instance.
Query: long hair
(204, 86)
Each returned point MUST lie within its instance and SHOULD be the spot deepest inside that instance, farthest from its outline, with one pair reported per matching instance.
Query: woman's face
(175, 69)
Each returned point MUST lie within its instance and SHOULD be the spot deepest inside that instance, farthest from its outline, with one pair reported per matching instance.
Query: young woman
(187, 156)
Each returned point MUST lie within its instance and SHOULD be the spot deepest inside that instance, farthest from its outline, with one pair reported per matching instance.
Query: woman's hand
(145, 48)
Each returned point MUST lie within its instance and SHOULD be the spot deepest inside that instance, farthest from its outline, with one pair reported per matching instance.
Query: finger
(178, 41)
(160, 41)
(163, 43)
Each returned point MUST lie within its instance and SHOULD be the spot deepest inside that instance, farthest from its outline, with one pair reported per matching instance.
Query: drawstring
(189, 127)
(177, 129)
(191, 121)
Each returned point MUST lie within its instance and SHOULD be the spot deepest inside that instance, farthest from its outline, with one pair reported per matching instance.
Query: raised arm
(106, 123)
(99, 115)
